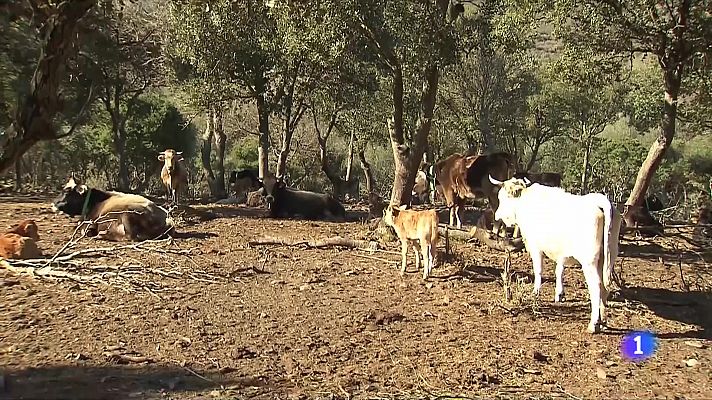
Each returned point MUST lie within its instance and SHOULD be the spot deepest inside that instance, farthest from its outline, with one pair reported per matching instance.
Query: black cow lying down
(117, 216)
(287, 202)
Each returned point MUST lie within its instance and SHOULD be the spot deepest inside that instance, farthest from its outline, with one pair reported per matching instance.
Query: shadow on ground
(113, 382)
(691, 308)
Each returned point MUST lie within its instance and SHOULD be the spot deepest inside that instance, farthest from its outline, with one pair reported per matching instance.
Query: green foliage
(242, 154)
(155, 126)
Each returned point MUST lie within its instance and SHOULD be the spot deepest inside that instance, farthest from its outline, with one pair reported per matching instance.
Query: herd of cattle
(565, 227)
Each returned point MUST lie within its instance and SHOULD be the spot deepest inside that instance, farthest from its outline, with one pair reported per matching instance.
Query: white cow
(567, 228)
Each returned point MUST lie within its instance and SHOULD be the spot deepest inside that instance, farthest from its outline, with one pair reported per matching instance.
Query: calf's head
(170, 157)
(509, 193)
(71, 200)
(390, 214)
(26, 228)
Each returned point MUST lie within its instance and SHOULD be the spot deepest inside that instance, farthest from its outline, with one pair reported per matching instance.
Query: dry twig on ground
(336, 241)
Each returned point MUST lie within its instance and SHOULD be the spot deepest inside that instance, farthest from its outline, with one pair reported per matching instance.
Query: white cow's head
(509, 193)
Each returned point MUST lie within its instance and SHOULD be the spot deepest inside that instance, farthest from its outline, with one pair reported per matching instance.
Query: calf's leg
(416, 250)
(425, 248)
(404, 254)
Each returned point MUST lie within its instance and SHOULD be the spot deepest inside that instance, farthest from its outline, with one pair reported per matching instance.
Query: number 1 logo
(639, 346)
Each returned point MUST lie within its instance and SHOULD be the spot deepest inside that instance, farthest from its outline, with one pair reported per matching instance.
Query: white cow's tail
(608, 255)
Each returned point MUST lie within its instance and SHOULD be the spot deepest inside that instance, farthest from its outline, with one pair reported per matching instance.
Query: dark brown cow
(459, 177)
(552, 179)
(284, 201)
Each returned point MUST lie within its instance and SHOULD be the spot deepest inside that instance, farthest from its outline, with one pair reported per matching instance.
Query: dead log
(336, 241)
(483, 236)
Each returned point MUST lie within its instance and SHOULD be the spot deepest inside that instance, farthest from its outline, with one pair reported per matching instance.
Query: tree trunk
(407, 159)
(220, 139)
(367, 171)
(205, 151)
(120, 144)
(673, 78)
(33, 121)
(350, 158)
(18, 174)
(331, 174)
(586, 165)
(263, 145)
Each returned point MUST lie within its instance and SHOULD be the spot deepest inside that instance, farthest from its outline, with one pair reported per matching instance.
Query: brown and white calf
(420, 228)
(174, 175)
(114, 215)
(20, 241)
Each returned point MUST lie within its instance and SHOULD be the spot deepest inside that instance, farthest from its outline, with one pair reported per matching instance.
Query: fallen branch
(483, 236)
(336, 241)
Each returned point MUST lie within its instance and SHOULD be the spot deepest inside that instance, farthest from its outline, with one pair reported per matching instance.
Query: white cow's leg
(537, 262)
(431, 256)
(604, 299)
(559, 295)
(458, 214)
(404, 254)
(593, 281)
(452, 216)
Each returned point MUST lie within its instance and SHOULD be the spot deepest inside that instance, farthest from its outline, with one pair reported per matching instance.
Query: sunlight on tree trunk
(220, 139)
(33, 121)
(586, 165)
(263, 121)
(206, 149)
(673, 78)
(367, 171)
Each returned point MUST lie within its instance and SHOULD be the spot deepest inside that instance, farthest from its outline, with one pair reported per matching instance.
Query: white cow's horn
(527, 181)
(494, 181)
(179, 152)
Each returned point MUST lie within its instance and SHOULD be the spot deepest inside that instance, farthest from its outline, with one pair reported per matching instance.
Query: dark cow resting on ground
(246, 180)
(287, 202)
(116, 216)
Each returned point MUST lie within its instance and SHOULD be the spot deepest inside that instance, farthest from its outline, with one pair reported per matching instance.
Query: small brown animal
(26, 228)
(20, 241)
(418, 228)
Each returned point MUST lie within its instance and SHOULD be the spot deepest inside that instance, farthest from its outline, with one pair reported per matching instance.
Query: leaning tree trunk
(673, 78)
(367, 171)
(33, 119)
(220, 139)
(205, 150)
(407, 159)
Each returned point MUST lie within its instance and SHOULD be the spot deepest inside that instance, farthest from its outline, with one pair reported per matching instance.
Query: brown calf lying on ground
(417, 227)
(20, 241)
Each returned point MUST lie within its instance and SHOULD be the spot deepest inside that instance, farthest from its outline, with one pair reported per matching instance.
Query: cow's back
(560, 224)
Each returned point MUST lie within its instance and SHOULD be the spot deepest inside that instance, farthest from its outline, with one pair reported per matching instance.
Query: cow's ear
(81, 189)
(161, 157)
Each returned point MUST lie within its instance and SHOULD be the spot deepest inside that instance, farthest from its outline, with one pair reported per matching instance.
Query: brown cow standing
(20, 241)
(459, 177)
(173, 174)
(420, 229)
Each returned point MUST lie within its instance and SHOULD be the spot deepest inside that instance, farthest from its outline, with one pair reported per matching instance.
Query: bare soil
(276, 322)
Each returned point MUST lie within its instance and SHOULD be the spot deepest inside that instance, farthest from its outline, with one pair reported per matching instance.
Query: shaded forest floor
(209, 316)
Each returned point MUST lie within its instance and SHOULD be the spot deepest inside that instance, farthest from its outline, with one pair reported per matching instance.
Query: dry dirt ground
(210, 316)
